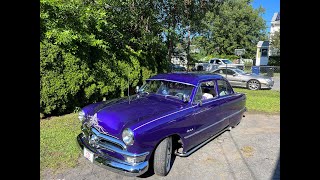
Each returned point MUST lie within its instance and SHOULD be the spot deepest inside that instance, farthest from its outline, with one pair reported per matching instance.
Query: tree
(275, 43)
(180, 19)
(95, 49)
(232, 25)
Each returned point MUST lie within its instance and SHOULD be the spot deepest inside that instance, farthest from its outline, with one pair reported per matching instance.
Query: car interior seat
(207, 94)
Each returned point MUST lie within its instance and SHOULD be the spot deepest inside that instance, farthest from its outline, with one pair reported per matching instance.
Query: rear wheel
(162, 157)
(253, 84)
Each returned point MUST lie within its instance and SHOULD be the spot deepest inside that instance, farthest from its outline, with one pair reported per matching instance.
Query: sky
(270, 6)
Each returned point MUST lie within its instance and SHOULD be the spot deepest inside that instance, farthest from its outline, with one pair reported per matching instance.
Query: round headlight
(81, 115)
(128, 136)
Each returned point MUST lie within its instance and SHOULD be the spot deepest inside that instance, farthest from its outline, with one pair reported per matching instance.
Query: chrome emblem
(189, 130)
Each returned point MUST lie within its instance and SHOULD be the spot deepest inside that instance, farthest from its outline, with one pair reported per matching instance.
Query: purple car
(171, 114)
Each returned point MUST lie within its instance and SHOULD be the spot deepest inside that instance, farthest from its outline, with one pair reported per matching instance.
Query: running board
(201, 144)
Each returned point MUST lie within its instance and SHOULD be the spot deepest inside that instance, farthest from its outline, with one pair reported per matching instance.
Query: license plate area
(88, 154)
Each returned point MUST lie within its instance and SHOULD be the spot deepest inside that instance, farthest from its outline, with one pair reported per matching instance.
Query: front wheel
(253, 84)
(162, 157)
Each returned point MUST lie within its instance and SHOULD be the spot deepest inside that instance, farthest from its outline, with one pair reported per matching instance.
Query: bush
(274, 61)
(88, 53)
(68, 82)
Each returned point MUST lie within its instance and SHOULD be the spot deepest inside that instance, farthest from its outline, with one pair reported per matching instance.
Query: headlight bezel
(128, 136)
(81, 115)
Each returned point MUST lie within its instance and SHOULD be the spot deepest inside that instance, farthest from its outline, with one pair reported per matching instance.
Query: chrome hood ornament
(93, 121)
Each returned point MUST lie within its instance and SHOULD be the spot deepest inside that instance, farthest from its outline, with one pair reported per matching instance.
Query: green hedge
(87, 53)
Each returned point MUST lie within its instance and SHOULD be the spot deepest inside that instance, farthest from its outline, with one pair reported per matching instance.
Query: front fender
(151, 133)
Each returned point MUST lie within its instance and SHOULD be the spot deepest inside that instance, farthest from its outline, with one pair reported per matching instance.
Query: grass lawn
(262, 100)
(58, 148)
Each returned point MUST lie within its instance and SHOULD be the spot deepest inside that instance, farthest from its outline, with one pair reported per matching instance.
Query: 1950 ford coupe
(171, 114)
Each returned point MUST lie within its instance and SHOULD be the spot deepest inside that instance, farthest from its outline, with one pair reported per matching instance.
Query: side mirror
(137, 89)
(199, 103)
(235, 74)
(185, 98)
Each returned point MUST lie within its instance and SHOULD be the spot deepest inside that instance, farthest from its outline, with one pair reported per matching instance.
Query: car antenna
(128, 88)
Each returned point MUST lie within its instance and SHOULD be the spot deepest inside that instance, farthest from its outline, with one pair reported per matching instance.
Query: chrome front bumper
(113, 164)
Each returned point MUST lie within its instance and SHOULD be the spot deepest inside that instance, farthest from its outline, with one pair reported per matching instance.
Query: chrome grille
(104, 143)
(104, 140)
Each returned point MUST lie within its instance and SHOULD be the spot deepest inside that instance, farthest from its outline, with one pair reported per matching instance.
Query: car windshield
(239, 71)
(167, 88)
(226, 61)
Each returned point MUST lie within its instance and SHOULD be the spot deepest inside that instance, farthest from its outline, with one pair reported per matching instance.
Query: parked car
(239, 78)
(226, 63)
(171, 115)
(216, 63)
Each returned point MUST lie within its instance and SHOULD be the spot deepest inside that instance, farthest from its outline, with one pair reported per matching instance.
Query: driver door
(233, 77)
(207, 116)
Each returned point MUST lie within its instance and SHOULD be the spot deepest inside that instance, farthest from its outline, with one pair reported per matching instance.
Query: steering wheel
(179, 95)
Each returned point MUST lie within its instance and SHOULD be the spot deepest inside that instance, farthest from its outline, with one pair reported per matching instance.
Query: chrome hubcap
(253, 84)
(168, 160)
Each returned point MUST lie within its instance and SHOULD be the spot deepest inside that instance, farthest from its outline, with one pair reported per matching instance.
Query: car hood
(113, 116)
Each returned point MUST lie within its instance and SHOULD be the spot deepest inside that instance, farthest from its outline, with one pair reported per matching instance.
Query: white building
(275, 23)
(262, 57)
(275, 26)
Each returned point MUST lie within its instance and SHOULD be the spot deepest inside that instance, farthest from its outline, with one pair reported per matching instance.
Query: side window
(218, 62)
(206, 91)
(220, 71)
(230, 72)
(223, 88)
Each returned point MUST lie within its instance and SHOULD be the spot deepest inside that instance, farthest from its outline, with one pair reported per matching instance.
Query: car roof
(186, 78)
(225, 68)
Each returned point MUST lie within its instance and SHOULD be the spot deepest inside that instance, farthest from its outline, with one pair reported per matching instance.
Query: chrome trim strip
(172, 81)
(108, 138)
(112, 164)
(186, 137)
(200, 145)
(162, 117)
